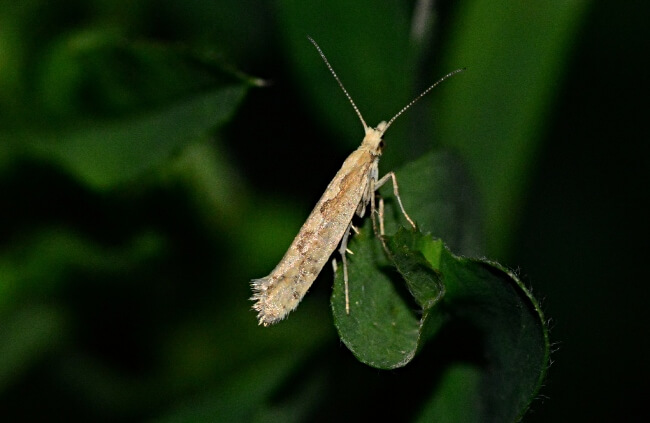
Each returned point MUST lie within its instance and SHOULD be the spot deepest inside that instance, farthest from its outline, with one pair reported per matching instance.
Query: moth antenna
(356, 109)
(425, 92)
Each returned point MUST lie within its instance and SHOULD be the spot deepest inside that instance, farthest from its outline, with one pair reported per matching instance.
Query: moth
(330, 222)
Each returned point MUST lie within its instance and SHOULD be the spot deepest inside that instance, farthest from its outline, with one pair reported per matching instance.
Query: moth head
(374, 138)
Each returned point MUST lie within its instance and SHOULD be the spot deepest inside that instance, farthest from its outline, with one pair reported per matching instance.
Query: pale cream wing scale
(280, 292)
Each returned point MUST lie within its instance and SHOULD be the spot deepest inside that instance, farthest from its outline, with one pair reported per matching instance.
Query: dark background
(128, 300)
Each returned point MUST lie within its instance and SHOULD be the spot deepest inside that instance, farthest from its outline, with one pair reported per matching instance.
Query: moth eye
(381, 144)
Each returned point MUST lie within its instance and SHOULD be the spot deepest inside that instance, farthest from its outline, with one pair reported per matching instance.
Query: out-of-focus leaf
(240, 398)
(26, 336)
(514, 54)
(217, 188)
(107, 154)
(36, 266)
(455, 397)
(108, 110)
(99, 73)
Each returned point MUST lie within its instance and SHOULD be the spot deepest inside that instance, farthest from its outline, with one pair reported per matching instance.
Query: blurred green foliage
(146, 177)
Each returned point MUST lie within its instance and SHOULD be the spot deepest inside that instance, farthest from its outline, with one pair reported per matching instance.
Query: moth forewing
(280, 292)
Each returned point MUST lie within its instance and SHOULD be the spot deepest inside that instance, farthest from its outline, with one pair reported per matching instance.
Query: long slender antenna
(356, 109)
(449, 75)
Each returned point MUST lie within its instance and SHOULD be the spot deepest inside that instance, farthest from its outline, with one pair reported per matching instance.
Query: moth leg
(381, 216)
(372, 188)
(382, 181)
(342, 251)
(373, 212)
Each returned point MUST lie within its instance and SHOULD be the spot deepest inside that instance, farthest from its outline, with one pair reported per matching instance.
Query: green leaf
(439, 195)
(491, 299)
(111, 109)
(110, 153)
(381, 329)
(401, 297)
(384, 331)
(405, 252)
(96, 72)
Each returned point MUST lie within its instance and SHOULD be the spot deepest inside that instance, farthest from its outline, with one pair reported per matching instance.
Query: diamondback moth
(330, 222)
